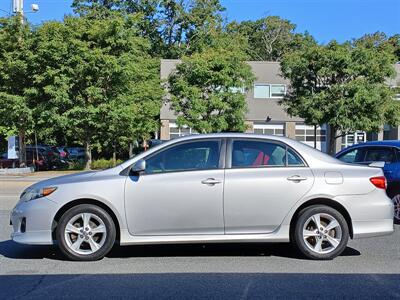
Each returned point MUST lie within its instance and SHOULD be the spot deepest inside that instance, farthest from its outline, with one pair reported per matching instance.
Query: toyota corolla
(207, 189)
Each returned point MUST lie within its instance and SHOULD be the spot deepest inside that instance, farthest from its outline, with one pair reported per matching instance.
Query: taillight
(379, 182)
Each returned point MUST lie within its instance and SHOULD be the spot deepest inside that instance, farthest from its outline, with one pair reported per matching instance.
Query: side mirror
(138, 166)
(377, 164)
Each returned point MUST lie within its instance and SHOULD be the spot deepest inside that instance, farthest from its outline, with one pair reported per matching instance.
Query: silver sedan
(209, 188)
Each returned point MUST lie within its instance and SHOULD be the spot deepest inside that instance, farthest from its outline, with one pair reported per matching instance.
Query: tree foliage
(268, 38)
(16, 58)
(207, 88)
(95, 81)
(172, 26)
(342, 85)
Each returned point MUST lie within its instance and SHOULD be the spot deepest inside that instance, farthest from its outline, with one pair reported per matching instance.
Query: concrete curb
(16, 171)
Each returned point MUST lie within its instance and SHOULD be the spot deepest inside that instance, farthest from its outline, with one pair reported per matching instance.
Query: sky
(325, 19)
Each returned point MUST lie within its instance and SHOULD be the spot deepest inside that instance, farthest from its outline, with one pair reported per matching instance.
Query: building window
(261, 91)
(175, 131)
(353, 138)
(265, 91)
(278, 90)
(305, 134)
(271, 129)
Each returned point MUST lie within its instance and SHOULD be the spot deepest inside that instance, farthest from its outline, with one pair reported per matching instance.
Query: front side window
(380, 154)
(353, 156)
(257, 154)
(191, 156)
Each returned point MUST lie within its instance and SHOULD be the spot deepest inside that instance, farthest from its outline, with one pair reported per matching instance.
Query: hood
(70, 178)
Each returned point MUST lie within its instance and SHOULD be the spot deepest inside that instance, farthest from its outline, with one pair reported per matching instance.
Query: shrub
(103, 163)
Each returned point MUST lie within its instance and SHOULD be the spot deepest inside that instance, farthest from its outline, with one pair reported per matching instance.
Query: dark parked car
(6, 162)
(61, 151)
(382, 151)
(76, 153)
(50, 156)
(39, 161)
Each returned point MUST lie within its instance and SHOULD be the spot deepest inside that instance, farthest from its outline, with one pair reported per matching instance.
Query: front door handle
(296, 178)
(210, 181)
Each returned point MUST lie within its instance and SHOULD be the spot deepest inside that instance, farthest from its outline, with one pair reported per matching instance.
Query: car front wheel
(85, 233)
(396, 203)
(321, 232)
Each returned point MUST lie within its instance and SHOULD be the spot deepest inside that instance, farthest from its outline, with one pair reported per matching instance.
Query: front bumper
(38, 217)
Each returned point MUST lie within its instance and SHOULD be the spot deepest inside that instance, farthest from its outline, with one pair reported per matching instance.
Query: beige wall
(290, 130)
(164, 130)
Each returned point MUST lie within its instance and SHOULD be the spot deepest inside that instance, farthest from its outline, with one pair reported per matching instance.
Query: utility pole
(18, 8)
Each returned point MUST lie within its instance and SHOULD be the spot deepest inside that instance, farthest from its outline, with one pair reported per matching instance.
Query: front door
(180, 192)
(263, 181)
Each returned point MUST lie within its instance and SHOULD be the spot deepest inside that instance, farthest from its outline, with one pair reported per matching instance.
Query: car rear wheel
(321, 232)
(85, 233)
(396, 203)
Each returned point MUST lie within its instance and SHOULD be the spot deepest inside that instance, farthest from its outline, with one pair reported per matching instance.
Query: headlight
(35, 193)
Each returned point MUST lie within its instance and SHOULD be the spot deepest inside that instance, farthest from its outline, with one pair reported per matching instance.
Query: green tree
(207, 88)
(89, 72)
(172, 26)
(341, 85)
(382, 43)
(16, 58)
(268, 38)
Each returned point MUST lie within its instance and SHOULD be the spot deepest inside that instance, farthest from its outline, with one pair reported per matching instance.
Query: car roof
(391, 143)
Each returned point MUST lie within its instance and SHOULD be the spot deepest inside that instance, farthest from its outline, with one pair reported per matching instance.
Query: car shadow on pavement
(14, 250)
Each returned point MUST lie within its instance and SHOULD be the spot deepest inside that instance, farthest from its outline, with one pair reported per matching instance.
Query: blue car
(379, 151)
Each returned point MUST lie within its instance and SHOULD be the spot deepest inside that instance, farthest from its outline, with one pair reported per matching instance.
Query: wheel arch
(322, 201)
(76, 202)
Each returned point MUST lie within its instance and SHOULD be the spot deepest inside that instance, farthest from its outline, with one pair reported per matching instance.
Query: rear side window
(385, 154)
(294, 159)
(353, 156)
(256, 154)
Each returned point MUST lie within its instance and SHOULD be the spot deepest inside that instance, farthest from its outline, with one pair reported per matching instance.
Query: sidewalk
(36, 176)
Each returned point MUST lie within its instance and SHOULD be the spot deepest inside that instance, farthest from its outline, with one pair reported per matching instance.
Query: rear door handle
(210, 181)
(296, 178)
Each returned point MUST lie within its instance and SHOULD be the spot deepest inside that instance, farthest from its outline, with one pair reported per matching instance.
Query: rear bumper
(371, 214)
(363, 229)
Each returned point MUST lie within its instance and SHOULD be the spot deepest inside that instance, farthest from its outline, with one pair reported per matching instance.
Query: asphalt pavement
(368, 269)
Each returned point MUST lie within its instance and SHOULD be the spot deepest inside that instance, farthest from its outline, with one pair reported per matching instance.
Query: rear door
(263, 180)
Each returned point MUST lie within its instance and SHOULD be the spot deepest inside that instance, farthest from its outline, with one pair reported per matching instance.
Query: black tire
(109, 238)
(396, 218)
(301, 245)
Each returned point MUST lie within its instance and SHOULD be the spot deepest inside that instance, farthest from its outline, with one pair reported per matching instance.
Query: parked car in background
(6, 162)
(155, 142)
(76, 153)
(37, 161)
(209, 188)
(51, 156)
(379, 151)
(62, 152)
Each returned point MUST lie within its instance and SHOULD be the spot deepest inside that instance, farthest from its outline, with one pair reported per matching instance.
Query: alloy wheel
(396, 202)
(85, 233)
(322, 233)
